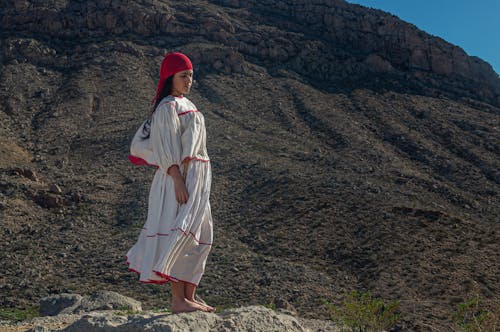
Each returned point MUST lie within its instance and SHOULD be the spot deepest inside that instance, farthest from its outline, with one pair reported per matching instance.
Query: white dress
(176, 238)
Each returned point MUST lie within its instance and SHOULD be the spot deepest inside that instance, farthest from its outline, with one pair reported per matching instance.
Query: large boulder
(252, 318)
(59, 304)
(75, 303)
(107, 300)
(106, 311)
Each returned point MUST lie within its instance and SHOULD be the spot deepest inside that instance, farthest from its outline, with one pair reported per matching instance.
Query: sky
(474, 25)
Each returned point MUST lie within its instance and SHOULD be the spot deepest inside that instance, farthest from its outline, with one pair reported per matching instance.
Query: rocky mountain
(334, 44)
(350, 150)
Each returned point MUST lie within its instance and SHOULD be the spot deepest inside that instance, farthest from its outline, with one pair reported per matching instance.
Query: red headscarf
(173, 62)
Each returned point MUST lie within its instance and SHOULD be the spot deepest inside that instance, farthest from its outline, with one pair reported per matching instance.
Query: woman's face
(181, 83)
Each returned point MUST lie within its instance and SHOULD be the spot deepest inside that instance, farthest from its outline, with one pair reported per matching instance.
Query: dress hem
(160, 274)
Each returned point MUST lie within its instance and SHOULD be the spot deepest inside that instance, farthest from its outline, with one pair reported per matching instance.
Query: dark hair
(165, 91)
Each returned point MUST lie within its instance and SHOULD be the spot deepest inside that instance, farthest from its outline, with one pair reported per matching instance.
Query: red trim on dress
(190, 233)
(190, 111)
(163, 275)
(185, 233)
(139, 161)
(160, 282)
(157, 234)
(171, 167)
(195, 158)
(165, 102)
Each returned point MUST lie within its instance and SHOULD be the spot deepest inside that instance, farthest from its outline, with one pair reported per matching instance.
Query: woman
(176, 239)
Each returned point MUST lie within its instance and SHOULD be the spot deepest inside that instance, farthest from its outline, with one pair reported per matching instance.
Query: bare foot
(187, 306)
(201, 302)
(205, 307)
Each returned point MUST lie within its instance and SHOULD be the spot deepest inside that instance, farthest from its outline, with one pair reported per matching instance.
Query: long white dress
(176, 238)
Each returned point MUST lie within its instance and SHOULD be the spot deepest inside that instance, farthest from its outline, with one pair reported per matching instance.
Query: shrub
(18, 314)
(473, 316)
(361, 312)
(270, 305)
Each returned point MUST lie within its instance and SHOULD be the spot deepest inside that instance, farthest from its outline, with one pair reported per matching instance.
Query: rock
(27, 173)
(318, 325)
(106, 300)
(47, 323)
(48, 200)
(54, 188)
(39, 329)
(383, 41)
(74, 303)
(283, 304)
(76, 197)
(377, 64)
(99, 322)
(252, 318)
(257, 318)
(386, 43)
(57, 304)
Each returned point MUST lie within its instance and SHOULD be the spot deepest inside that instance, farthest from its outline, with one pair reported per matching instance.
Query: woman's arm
(166, 137)
(181, 193)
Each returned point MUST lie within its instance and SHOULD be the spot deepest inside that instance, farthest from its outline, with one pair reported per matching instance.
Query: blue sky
(474, 25)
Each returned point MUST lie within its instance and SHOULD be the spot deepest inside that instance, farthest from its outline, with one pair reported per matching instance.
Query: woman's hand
(181, 193)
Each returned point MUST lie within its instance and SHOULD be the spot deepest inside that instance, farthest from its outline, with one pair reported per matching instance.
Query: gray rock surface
(97, 312)
(107, 300)
(60, 303)
(40, 329)
(75, 303)
(252, 318)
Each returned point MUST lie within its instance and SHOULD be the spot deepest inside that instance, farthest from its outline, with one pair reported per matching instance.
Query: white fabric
(141, 147)
(176, 238)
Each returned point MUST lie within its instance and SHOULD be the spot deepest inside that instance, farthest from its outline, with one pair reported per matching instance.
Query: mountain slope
(349, 151)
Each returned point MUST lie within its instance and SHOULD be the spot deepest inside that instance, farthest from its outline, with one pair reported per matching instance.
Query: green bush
(473, 316)
(270, 305)
(362, 313)
(18, 314)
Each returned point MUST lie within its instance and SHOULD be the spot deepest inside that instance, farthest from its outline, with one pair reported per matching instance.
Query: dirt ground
(315, 192)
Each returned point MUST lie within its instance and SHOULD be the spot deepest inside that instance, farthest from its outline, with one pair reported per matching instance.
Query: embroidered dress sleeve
(191, 137)
(166, 137)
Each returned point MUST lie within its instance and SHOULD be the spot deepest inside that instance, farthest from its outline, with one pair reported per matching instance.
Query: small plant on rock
(473, 316)
(361, 312)
(270, 305)
(161, 310)
(126, 311)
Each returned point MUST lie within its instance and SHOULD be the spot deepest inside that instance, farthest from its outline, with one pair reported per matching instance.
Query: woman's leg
(189, 291)
(179, 301)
